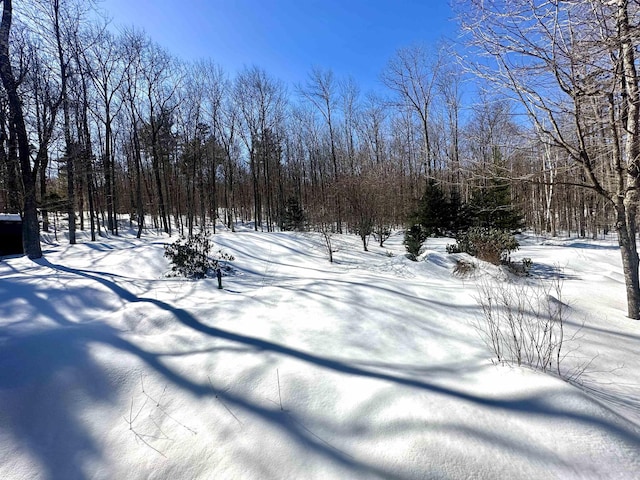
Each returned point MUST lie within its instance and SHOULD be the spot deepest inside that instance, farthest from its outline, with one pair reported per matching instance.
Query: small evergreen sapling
(414, 237)
(190, 257)
(293, 216)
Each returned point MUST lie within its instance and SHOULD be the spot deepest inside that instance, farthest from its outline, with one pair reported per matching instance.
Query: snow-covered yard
(301, 369)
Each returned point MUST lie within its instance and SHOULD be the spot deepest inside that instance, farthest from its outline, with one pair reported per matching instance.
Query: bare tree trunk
(71, 147)
(155, 164)
(30, 227)
(626, 227)
(138, 167)
(626, 224)
(536, 44)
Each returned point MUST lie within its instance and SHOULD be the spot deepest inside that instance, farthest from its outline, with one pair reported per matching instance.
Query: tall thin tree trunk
(69, 144)
(30, 226)
(626, 224)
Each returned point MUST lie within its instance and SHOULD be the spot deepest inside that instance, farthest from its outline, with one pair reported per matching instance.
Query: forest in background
(534, 111)
(118, 126)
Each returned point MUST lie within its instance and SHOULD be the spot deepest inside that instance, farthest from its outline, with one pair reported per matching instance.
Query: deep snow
(366, 368)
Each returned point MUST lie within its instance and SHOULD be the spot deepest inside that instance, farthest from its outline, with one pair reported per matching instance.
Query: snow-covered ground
(301, 369)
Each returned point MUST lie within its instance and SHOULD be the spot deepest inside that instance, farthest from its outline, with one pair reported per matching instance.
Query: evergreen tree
(414, 237)
(433, 210)
(491, 207)
(440, 216)
(458, 215)
(293, 217)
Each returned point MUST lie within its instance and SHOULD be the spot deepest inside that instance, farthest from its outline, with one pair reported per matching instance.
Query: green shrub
(293, 216)
(190, 258)
(414, 237)
(492, 245)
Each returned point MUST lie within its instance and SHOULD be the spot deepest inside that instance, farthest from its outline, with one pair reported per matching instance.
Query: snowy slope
(365, 368)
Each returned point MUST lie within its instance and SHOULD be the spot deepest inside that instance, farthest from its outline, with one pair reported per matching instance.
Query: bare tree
(47, 97)
(215, 88)
(320, 91)
(349, 96)
(226, 121)
(412, 74)
(64, 31)
(105, 65)
(261, 101)
(449, 86)
(559, 59)
(133, 44)
(160, 82)
(30, 227)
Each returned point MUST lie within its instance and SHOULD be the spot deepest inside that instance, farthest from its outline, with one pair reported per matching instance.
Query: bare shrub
(464, 268)
(520, 268)
(523, 324)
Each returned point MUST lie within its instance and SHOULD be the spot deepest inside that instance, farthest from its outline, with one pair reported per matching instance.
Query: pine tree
(491, 207)
(293, 217)
(433, 210)
(414, 237)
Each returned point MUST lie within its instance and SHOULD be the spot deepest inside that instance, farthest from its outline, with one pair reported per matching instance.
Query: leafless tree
(45, 90)
(105, 65)
(563, 61)
(412, 74)
(17, 127)
(160, 80)
(261, 100)
(320, 91)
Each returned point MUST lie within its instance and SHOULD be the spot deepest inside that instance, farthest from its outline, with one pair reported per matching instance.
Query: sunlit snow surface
(301, 369)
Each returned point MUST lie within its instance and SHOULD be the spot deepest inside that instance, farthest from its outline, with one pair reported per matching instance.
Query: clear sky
(288, 37)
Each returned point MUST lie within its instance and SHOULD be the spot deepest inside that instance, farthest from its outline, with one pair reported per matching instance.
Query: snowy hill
(366, 368)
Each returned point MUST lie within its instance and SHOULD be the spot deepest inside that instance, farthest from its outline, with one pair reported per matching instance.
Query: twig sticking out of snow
(162, 409)
(223, 404)
(279, 395)
(132, 418)
(303, 426)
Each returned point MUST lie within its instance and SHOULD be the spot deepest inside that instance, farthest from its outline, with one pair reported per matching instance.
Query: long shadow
(535, 405)
(46, 357)
(604, 331)
(549, 272)
(42, 360)
(38, 299)
(591, 246)
(52, 370)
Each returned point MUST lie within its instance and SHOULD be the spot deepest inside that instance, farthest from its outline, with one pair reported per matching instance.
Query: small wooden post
(219, 275)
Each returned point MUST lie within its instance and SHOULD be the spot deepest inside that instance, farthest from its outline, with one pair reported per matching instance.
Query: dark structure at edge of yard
(10, 235)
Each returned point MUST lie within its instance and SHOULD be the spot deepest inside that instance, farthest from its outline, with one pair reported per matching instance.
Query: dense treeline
(118, 129)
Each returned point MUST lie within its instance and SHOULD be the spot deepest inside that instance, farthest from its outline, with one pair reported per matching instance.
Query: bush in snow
(492, 245)
(523, 324)
(190, 257)
(464, 268)
(414, 237)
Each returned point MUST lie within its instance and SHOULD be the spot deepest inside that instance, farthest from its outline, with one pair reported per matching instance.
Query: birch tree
(559, 59)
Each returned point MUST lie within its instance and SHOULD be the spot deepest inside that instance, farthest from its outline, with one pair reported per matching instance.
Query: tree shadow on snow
(54, 374)
(591, 246)
(49, 365)
(543, 271)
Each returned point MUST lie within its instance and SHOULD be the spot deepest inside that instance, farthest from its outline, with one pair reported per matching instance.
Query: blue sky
(288, 37)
